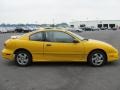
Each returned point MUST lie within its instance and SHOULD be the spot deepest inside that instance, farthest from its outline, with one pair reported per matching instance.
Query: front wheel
(23, 58)
(97, 58)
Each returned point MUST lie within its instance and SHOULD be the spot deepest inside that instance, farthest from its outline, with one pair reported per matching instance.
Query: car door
(59, 46)
(35, 45)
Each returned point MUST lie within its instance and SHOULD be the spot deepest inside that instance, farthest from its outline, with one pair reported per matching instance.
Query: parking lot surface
(62, 76)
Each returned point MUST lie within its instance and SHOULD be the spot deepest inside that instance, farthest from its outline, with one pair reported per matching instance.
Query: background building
(107, 24)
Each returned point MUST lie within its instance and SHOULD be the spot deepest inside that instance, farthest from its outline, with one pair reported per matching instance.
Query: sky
(58, 11)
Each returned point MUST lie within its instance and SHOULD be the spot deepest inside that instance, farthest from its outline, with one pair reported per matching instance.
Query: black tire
(97, 58)
(77, 30)
(23, 58)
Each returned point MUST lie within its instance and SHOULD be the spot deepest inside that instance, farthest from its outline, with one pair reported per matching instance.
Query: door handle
(48, 45)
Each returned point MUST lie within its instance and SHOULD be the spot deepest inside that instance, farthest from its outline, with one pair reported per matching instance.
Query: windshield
(78, 36)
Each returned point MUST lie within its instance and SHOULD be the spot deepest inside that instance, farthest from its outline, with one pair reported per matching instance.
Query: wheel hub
(22, 59)
(97, 59)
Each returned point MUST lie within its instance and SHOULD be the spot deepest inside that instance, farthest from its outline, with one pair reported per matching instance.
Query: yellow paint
(57, 51)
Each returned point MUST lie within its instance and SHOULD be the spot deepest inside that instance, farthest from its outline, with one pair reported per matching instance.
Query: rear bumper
(7, 54)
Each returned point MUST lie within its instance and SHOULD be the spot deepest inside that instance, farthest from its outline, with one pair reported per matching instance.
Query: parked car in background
(75, 29)
(3, 30)
(25, 29)
(103, 28)
(96, 29)
(79, 30)
(19, 30)
(22, 30)
(87, 29)
(10, 29)
(114, 28)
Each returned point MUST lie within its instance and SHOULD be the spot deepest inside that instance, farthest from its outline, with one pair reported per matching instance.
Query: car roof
(42, 29)
(51, 29)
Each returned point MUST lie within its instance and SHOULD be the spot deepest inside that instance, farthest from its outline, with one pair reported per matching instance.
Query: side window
(59, 37)
(37, 36)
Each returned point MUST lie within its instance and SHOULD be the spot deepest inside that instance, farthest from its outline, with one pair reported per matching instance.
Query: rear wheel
(23, 58)
(97, 58)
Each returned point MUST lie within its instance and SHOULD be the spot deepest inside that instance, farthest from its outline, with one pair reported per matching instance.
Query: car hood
(98, 42)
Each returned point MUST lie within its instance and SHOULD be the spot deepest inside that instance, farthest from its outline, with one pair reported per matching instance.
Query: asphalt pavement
(62, 76)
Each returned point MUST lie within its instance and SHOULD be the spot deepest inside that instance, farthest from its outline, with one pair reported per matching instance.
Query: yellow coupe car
(57, 46)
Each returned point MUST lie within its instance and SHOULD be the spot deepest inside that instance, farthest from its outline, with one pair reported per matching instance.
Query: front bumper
(7, 54)
(113, 57)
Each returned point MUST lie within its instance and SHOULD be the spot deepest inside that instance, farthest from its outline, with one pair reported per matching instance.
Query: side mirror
(75, 41)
